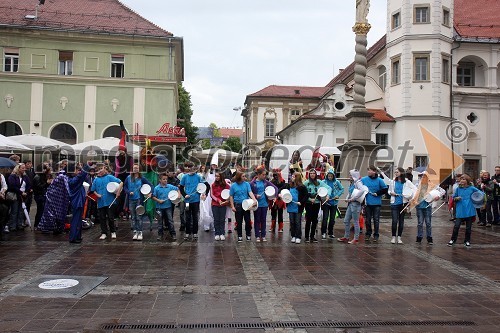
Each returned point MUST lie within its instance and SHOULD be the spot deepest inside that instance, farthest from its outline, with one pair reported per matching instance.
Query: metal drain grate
(288, 324)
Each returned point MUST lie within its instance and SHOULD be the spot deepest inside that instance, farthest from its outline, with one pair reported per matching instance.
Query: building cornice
(419, 37)
(78, 80)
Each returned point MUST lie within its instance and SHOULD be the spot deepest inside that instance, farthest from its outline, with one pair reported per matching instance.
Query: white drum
(286, 196)
(174, 197)
(201, 188)
(86, 186)
(407, 192)
(112, 187)
(270, 192)
(145, 189)
(248, 204)
(477, 199)
(432, 196)
(140, 210)
(361, 193)
(225, 194)
(322, 192)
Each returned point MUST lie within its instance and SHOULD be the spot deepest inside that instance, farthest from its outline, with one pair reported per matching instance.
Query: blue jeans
(166, 219)
(295, 224)
(352, 212)
(219, 213)
(134, 217)
(424, 215)
(398, 219)
(260, 222)
(16, 214)
(372, 212)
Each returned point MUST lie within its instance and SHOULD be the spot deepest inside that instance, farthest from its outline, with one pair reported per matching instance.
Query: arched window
(382, 77)
(65, 133)
(9, 128)
(112, 132)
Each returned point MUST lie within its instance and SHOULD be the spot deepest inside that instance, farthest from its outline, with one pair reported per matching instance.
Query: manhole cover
(53, 286)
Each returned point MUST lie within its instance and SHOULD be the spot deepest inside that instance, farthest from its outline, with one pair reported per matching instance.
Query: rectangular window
(421, 63)
(421, 161)
(295, 113)
(11, 60)
(117, 65)
(446, 17)
(396, 71)
(396, 20)
(445, 70)
(65, 63)
(382, 139)
(421, 14)
(270, 131)
(465, 74)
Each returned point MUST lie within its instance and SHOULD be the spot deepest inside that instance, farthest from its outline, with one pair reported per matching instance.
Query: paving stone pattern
(206, 281)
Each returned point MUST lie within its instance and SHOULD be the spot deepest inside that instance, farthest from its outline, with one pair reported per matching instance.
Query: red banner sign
(158, 138)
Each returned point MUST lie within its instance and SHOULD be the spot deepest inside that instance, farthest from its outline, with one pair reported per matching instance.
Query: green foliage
(233, 144)
(185, 113)
(205, 144)
(216, 132)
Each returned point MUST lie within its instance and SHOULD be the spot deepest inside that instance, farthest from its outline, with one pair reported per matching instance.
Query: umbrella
(38, 142)
(6, 163)
(424, 168)
(28, 221)
(6, 143)
(104, 146)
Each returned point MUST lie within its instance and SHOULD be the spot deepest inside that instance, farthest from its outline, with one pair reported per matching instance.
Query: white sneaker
(222, 237)
(257, 239)
(113, 235)
(323, 236)
(393, 240)
(399, 240)
(195, 236)
(103, 236)
(297, 241)
(217, 237)
(293, 239)
(139, 236)
(135, 236)
(264, 239)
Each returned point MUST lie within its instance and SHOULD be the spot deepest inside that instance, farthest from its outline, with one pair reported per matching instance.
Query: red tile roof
(349, 70)
(230, 132)
(89, 16)
(291, 92)
(477, 18)
(381, 115)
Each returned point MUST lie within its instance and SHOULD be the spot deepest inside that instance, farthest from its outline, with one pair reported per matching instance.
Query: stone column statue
(362, 8)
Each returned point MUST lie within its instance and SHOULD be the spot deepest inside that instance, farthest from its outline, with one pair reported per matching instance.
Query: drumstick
(438, 207)
(405, 207)
(113, 202)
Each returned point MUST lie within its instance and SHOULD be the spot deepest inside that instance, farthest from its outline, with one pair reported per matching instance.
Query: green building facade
(72, 75)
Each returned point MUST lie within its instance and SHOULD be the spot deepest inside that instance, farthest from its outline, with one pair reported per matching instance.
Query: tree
(205, 144)
(184, 115)
(216, 131)
(233, 144)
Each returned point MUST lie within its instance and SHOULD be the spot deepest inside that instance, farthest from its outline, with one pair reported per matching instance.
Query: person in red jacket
(219, 205)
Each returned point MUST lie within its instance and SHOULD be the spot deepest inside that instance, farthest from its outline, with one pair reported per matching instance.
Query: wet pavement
(368, 287)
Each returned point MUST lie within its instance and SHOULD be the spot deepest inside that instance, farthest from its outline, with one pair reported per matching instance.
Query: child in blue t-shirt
(164, 206)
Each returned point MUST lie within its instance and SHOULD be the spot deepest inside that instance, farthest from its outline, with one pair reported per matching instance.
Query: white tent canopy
(104, 146)
(224, 156)
(38, 142)
(7, 144)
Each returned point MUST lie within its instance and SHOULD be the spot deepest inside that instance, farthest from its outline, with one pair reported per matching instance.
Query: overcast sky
(233, 48)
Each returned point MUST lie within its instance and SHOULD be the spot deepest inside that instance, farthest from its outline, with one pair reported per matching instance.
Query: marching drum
(286, 196)
(270, 193)
(174, 197)
(248, 204)
(225, 194)
(112, 187)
